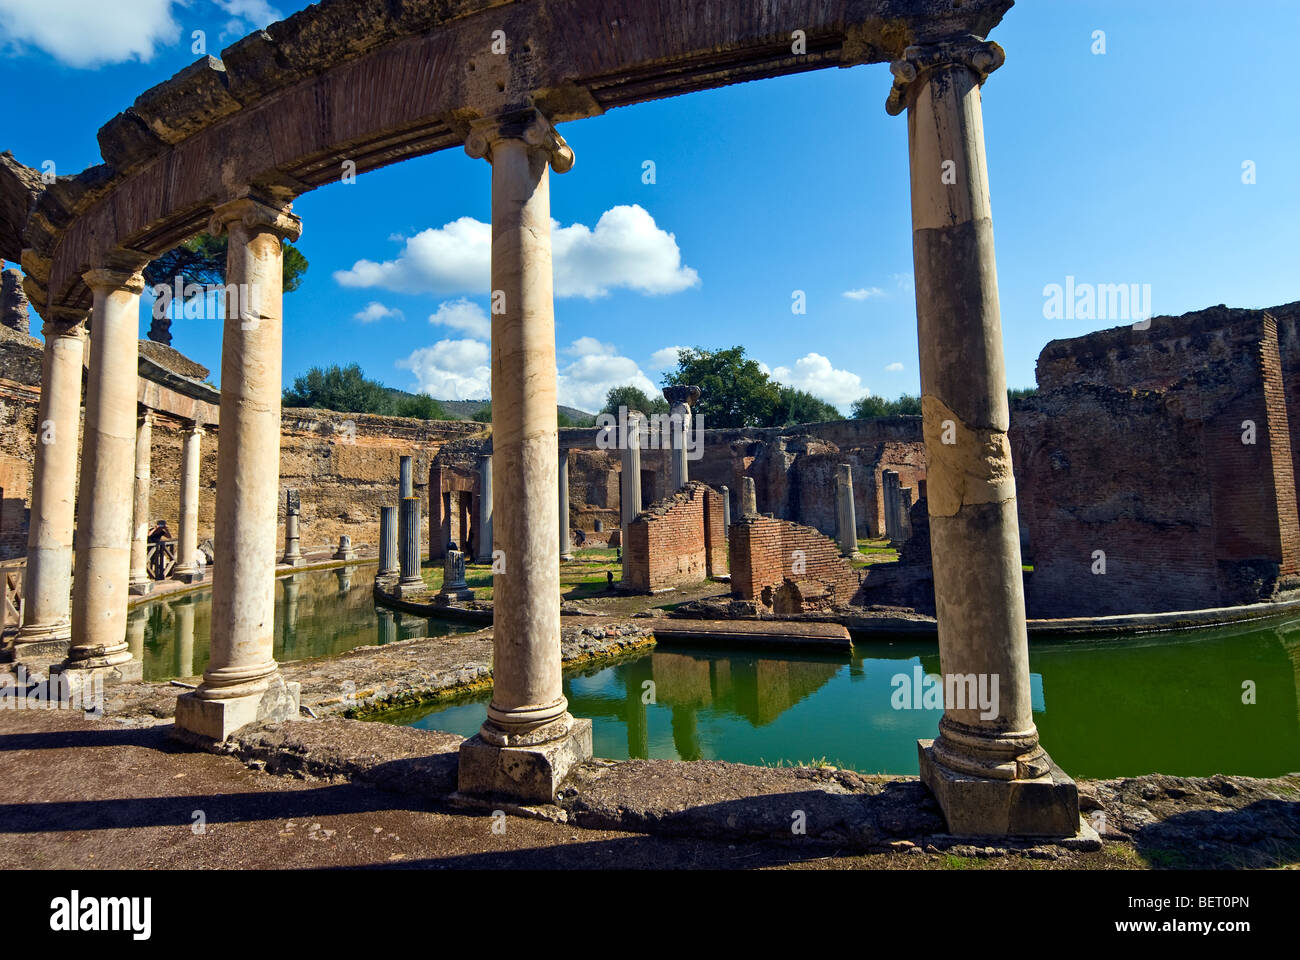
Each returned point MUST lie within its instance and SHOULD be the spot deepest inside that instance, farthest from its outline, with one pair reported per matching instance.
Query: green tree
(344, 389)
(632, 398)
(420, 406)
(483, 414)
(873, 406)
(734, 391)
(800, 406)
(202, 260)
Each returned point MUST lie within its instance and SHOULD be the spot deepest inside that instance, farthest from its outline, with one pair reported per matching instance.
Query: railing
(12, 573)
(160, 559)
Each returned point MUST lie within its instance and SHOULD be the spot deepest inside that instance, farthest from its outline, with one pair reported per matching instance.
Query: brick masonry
(679, 540)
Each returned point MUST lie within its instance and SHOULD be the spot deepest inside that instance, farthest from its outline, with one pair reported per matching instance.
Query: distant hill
(465, 409)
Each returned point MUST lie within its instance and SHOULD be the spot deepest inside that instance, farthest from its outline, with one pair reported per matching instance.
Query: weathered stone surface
(13, 301)
(711, 798)
(20, 186)
(412, 761)
(126, 143)
(191, 100)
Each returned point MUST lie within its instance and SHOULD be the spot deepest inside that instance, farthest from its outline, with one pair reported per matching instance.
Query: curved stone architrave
(346, 87)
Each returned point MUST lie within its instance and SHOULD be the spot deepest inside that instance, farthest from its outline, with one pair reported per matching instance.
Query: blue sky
(1119, 167)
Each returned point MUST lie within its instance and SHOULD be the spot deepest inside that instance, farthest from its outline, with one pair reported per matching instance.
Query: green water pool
(1168, 703)
(318, 613)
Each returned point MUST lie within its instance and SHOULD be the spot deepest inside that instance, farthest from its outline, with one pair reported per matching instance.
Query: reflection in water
(1171, 703)
(317, 614)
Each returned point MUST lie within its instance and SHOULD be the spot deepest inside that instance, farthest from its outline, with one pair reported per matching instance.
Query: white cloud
(893, 367)
(463, 315)
(665, 359)
(374, 311)
(461, 370)
(815, 374)
(451, 369)
(625, 249)
(88, 33)
(904, 281)
(597, 368)
(864, 293)
(247, 16)
(454, 258)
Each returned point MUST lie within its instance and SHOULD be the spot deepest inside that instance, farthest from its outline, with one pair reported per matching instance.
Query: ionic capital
(254, 214)
(65, 322)
(529, 125)
(112, 279)
(980, 57)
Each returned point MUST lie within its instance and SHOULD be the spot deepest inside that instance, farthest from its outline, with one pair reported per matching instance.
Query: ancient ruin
(1170, 451)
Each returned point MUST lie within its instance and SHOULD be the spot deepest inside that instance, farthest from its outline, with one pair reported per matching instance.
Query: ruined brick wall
(594, 490)
(667, 543)
(764, 551)
(715, 534)
(1134, 447)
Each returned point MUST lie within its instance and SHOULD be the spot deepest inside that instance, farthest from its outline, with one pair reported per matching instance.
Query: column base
(140, 588)
(530, 773)
(81, 681)
(203, 722)
(566, 557)
(406, 589)
(1046, 806)
(37, 649)
(349, 555)
(292, 561)
(197, 575)
(463, 592)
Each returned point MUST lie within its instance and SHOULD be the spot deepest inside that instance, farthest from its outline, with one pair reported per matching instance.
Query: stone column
(386, 628)
(988, 772)
(139, 582)
(187, 545)
(104, 507)
(681, 399)
(529, 741)
(846, 521)
(387, 543)
(183, 611)
(889, 491)
(243, 683)
(485, 509)
(726, 509)
(292, 548)
(437, 516)
(566, 547)
(47, 584)
(630, 481)
(454, 586)
(345, 551)
(406, 483)
(408, 537)
(748, 500)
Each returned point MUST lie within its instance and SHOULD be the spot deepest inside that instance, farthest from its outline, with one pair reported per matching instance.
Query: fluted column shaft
(566, 546)
(409, 537)
(387, 541)
(105, 506)
(485, 509)
(47, 583)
